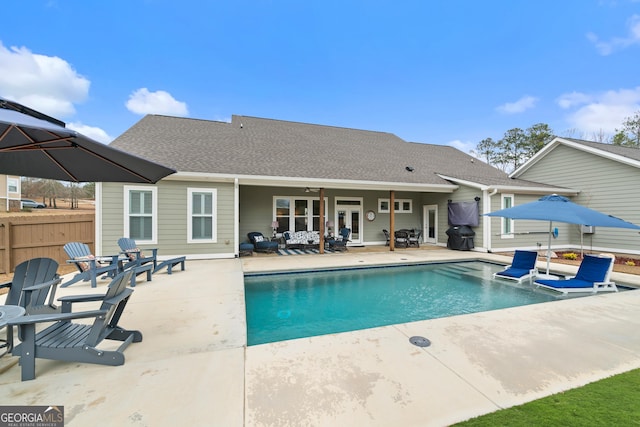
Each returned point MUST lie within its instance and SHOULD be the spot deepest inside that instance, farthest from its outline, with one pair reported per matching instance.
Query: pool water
(296, 305)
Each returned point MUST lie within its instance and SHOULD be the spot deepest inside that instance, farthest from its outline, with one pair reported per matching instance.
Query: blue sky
(441, 72)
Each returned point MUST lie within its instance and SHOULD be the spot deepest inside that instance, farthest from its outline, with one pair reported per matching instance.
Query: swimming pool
(295, 305)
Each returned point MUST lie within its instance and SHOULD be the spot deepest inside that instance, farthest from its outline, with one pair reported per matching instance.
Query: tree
(515, 147)
(486, 150)
(90, 190)
(629, 135)
(52, 189)
(537, 136)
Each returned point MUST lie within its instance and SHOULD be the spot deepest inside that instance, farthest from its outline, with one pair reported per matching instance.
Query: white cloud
(568, 100)
(465, 147)
(45, 83)
(605, 111)
(525, 103)
(142, 101)
(227, 119)
(617, 43)
(92, 132)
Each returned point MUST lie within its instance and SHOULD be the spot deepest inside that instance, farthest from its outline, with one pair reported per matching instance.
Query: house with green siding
(242, 176)
(603, 177)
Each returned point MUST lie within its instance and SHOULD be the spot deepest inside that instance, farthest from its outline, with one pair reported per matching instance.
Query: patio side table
(7, 314)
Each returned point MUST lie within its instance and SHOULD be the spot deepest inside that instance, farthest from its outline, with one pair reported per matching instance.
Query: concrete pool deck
(193, 367)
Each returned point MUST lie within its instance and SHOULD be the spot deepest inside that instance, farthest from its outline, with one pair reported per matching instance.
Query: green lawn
(613, 401)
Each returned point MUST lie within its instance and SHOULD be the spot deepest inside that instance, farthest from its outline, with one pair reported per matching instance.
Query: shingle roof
(275, 148)
(630, 152)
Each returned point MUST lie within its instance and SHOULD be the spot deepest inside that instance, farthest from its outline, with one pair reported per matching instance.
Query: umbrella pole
(549, 247)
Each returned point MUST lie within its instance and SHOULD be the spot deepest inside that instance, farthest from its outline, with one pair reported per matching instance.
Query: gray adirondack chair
(33, 286)
(89, 267)
(76, 342)
(135, 254)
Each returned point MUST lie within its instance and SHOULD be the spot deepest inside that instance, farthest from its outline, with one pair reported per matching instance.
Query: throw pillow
(85, 266)
(134, 254)
(258, 239)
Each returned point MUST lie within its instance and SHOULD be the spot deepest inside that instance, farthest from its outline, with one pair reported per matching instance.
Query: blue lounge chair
(593, 276)
(523, 267)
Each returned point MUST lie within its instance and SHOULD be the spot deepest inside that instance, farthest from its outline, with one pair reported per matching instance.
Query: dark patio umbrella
(560, 209)
(36, 145)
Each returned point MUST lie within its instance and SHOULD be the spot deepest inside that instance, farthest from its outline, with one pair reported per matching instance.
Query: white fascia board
(197, 176)
(534, 190)
(464, 182)
(283, 181)
(518, 189)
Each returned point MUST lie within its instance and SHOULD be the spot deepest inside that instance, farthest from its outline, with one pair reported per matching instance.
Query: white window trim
(214, 216)
(154, 213)
(503, 221)
(292, 217)
(17, 185)
(399, 202)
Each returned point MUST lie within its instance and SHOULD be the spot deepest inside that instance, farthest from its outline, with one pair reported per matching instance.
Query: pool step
(448, 273)
(460, 270)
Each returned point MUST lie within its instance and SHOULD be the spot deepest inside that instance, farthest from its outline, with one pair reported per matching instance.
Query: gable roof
(626, 155)
(276, 152)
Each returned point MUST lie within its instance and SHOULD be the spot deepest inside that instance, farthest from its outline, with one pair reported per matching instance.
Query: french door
(430, 224)
(349, 215)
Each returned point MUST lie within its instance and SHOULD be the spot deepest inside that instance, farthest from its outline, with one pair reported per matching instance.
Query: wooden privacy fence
(23, 238)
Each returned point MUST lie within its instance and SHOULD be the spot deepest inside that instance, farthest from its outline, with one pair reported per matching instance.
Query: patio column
(321, 248)
(392, 220)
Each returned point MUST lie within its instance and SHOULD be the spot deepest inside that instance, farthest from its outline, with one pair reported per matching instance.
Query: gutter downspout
(236, 216)
(486, 220)
(98, 218)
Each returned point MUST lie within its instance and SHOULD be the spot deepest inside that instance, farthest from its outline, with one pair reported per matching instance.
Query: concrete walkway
(193, 367)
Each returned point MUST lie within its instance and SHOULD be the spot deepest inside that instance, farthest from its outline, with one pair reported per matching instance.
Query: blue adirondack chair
(136, 256)
(89, 266)
(76, 342)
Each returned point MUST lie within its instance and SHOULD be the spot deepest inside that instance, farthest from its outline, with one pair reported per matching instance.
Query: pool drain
(420, 341)
(284, 314)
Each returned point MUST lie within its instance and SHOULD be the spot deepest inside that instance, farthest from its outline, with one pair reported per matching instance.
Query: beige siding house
(239, 177)
(9, 192)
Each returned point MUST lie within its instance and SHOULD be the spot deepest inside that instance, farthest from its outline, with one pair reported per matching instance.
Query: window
(297, 214)
(507, 223)
(140, 207)
(12, 185)
(399, 205)
(282, 214)
(202, 219)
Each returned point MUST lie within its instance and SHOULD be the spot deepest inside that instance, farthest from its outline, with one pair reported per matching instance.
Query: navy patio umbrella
(36, 145)
(560, 209)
